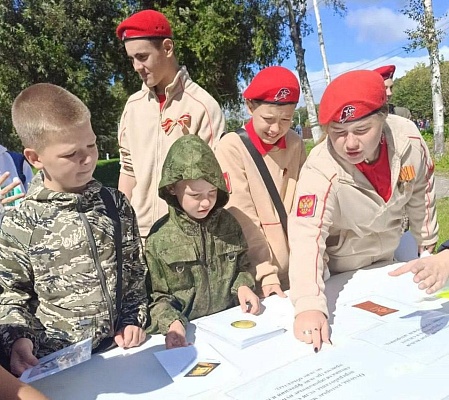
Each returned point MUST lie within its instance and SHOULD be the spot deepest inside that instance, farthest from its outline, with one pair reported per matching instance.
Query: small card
(59, 361)
(202, 369)
(375, 308)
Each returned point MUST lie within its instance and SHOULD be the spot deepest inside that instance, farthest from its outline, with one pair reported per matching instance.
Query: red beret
(386, 71)
(274, 85)
(352, 96)
(144, 24)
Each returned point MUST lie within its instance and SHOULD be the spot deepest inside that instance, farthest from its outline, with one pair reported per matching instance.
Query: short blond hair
(44, 110)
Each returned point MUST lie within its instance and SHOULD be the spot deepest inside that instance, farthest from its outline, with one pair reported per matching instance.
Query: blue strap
(18, 159)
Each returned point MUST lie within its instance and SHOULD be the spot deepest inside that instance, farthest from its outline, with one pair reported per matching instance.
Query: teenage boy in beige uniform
(168, 106)
(271, 99)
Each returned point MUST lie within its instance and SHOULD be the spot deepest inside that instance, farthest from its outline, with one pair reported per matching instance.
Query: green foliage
(442, 163)
(70, 44)
(424, 35)
(221, 41)
(107, 172)
(443, 219)
(309, 145)
(73, 44)
(414, 90)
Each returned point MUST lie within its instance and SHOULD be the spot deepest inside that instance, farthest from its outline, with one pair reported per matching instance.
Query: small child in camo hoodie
(197, 254)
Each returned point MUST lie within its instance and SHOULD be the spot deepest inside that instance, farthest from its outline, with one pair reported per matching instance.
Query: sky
(371, 34)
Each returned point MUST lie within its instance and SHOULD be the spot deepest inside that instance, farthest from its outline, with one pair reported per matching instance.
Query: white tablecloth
(136, 374)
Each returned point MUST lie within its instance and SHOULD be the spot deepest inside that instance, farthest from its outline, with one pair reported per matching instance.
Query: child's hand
(176, 336)
(276, 288)
(246, 295)
(22, 356)
(431, 273)
(130, 336)
(4, 191)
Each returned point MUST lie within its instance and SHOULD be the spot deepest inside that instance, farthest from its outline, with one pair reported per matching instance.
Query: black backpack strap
(18, 159)
(266, 177)
(112, 212)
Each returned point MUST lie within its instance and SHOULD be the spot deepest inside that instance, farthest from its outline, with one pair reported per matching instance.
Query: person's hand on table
(176, 336)
(275, 288)
(431, 273)
(312, 327)
(130, 336)
(245, 296)
(22, 356)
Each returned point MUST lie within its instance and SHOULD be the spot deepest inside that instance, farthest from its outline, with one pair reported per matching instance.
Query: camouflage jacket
(57, 287)
(196, 267)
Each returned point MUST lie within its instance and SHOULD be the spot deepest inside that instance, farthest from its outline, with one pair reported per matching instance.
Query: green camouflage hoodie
(195, 266)
(57, 285)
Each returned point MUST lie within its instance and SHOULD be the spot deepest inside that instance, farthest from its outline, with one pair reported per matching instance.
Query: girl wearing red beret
(351, 195)
(271, 100)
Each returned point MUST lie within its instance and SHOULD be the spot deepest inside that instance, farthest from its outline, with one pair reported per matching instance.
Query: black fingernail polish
(315, 349)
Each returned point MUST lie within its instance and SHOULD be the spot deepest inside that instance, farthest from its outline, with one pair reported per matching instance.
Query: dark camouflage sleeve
(243, 277)
(163, 311)
(17, 296)
(135, 300)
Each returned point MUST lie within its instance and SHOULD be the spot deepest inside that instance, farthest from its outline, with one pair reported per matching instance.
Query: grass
(441, 168)
(443, 219)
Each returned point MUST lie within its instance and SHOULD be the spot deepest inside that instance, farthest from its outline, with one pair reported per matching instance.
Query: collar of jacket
(178, 85)
(38, 192)
(190, 226)
(397, 145)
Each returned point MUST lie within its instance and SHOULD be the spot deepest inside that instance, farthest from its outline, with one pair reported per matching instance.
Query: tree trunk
(327, 74)
(437, 94)
(296, 37)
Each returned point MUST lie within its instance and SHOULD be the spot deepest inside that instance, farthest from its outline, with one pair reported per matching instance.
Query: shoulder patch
(227, 179)
(306, 206)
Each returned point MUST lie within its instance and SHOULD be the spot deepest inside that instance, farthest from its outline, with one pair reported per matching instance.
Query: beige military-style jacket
(251, 204)
(146, 133)
(340, 223)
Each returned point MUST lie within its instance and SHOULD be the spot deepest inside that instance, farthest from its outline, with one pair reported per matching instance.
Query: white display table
(399, 351)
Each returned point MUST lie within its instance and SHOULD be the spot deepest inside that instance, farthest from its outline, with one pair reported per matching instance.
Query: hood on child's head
(191, 158)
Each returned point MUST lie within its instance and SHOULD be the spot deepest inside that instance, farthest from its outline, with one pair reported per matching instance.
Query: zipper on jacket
(97, 263)
(204, 260)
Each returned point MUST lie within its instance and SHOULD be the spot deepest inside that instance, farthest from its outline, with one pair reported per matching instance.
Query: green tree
(428, 37)
(73, 44)
(414, 92)
(222, 42)
(67, 43)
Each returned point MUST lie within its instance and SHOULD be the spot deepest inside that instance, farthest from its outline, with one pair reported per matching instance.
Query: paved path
(441, 186)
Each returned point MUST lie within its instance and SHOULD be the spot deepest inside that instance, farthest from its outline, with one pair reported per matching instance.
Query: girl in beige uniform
(271, 99)
(351, 193)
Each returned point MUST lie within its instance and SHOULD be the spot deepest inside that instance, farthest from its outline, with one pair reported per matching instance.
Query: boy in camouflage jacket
(196, 254)
(58, 265)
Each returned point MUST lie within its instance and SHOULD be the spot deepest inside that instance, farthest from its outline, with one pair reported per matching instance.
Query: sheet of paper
(59, 361)
(207, 370)
(175, 361)
(240, 329)
(421, 335)
(355, 371)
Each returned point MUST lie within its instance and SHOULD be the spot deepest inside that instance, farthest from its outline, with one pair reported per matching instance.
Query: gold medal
(243, 324)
